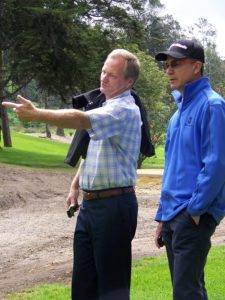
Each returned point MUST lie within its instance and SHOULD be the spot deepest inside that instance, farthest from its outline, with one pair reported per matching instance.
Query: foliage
(204, 31)
(215, 70)
(58, 47)
(61, 38)
(152, 89)
(160, 31)
(214, 67)
(61, 46)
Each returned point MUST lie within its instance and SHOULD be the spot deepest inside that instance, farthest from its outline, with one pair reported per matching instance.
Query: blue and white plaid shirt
(114, 145)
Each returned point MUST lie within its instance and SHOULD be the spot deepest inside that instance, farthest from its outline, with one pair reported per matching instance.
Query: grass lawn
(28, 151)
(155, 162)
(150, 281)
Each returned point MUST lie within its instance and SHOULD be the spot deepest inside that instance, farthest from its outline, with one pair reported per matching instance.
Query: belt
(107, 193)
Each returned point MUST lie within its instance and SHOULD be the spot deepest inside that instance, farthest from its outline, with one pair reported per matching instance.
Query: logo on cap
(178, 45)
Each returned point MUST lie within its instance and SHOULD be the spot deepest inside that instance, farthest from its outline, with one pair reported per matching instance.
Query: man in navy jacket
(192, 201)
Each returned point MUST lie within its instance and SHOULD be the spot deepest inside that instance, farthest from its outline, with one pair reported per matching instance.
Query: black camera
(79, 102)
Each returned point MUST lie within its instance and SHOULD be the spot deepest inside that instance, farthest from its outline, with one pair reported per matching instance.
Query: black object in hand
(71, 210)
(160, 241)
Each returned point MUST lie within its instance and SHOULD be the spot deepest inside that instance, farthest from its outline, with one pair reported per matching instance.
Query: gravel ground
(36, 235)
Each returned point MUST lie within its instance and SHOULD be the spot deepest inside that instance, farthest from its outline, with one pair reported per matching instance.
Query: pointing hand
(25, 110)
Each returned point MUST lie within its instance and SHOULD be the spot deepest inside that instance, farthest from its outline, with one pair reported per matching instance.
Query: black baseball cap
(183, 49)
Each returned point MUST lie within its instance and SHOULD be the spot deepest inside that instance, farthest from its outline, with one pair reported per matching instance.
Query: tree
(203, 31)
(152, 88)
(215, 70)
(62, 44)
(9, 29)
(39, 40)
(214, 67)
(160, 31)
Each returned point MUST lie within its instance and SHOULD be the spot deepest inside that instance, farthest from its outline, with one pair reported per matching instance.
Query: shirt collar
(124, 94)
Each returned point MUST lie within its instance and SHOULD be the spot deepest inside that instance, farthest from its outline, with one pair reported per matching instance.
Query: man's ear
(198, 66)
(130, 82)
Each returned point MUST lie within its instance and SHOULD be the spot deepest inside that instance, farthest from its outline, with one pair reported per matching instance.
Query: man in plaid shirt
(107, 218)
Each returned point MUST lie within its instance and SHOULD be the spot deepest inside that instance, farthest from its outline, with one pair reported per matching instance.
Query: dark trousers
(187, 246)
(102, 248)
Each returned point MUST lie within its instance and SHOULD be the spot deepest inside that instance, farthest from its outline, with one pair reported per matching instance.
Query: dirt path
(36, 235)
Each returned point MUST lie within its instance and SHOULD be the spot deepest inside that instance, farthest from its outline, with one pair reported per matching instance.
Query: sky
(188, 12)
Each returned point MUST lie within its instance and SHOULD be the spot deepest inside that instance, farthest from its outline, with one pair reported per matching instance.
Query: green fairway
(34, 152)
(28, 151)
(155, 162)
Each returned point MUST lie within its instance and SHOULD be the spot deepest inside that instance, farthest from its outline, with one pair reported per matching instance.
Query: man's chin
(102, 90)
(173, 86)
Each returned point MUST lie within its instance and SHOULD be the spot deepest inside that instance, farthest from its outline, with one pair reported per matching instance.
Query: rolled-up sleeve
(107, 121)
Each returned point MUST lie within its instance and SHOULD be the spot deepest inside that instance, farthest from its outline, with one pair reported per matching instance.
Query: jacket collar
(190, 91)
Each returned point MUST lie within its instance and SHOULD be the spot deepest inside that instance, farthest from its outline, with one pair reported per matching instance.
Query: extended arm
(63, 118)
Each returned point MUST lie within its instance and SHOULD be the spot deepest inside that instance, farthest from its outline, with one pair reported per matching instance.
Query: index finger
(10, 104)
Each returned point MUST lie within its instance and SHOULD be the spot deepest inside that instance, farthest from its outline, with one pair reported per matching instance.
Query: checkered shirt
(114, 145)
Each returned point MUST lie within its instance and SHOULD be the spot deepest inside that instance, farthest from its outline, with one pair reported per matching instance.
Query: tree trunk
(60, 131)
(47, 128)
(5, 128)
(0, 128)
(48, 132)
(4, 121)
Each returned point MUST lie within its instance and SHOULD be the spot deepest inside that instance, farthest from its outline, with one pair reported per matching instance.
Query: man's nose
(169, 70)
(104, 77)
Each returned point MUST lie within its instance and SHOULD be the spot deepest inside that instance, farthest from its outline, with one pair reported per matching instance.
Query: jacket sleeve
(211, 178)
(79, 145)
(147, 148)
(158, 216)
(159, 213)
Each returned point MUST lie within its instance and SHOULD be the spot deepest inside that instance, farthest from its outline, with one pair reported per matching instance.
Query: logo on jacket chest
(189, 121)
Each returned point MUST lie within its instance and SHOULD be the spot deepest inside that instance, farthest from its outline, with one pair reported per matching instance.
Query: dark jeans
(102, 248)
(187, 246)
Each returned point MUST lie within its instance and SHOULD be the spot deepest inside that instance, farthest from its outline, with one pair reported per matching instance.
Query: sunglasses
(178, 62)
